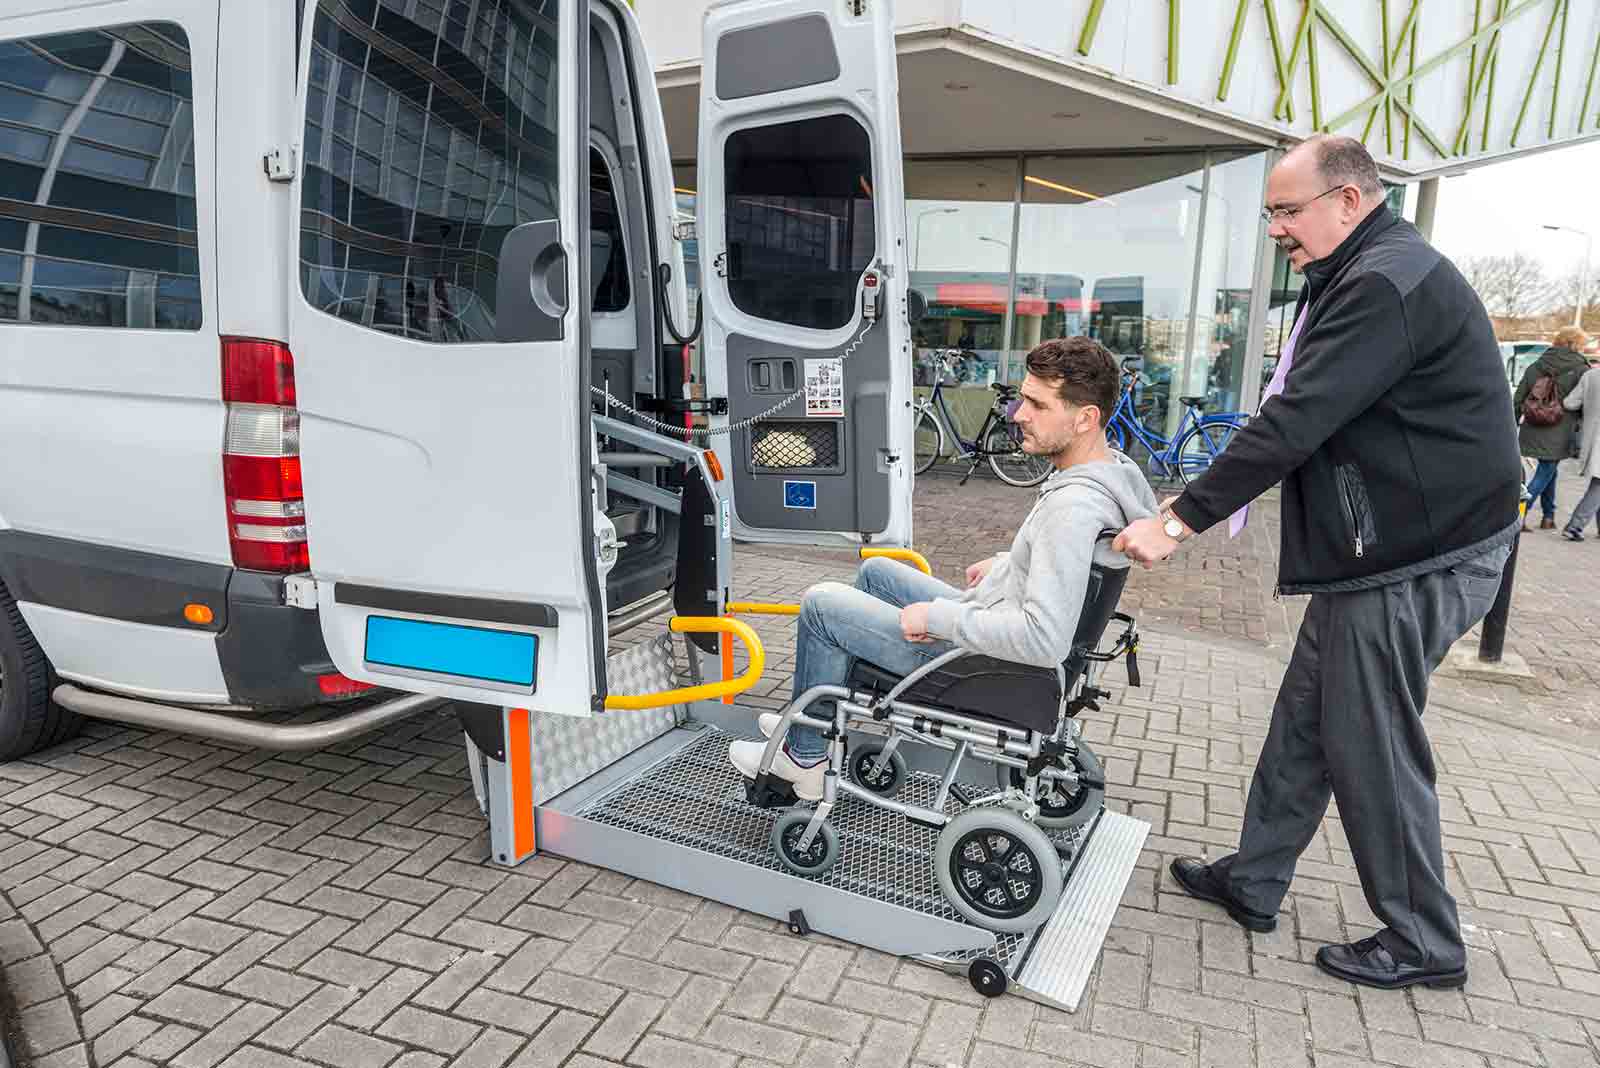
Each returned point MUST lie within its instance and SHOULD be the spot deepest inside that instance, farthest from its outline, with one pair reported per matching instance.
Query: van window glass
(429, 136)
(799, 222)
(608, 263)
(97, 208)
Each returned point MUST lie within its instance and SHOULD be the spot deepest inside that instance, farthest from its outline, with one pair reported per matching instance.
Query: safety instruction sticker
(825, 387)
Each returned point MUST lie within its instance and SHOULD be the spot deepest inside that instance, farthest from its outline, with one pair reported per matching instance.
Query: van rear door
(801, 224)
(441, 351)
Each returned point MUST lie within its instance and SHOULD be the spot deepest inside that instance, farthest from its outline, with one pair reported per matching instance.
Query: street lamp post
(917, 256)
(1583, 275)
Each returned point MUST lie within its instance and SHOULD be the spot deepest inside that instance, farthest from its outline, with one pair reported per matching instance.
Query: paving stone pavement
(170, 901)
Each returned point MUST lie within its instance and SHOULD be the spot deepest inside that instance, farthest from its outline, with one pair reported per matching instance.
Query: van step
(1057, 969)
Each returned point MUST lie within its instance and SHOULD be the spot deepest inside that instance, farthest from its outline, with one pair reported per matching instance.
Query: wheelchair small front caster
(812, 862)
(870, 772)
(987, 977)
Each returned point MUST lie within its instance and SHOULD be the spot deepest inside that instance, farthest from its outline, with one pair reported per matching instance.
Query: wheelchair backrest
(1099, 603)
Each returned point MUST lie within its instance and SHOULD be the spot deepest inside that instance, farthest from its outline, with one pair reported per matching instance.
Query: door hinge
(300, 591)
(683, 230)
(720, 265)
(858, 7)
(280, 164)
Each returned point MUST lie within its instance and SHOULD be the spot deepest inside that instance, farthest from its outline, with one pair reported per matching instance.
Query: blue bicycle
(1197, 442)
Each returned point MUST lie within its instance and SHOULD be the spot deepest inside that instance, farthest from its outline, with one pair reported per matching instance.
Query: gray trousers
(1587, 507)
(1348, 723)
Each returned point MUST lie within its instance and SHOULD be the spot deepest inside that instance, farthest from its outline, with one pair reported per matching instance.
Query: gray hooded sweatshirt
(1026, 609)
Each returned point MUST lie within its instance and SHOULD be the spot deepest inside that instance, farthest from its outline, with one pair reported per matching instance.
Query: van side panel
(112, 433)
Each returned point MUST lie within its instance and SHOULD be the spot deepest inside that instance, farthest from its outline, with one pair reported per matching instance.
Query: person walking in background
(1586, 398)
(1547, 427)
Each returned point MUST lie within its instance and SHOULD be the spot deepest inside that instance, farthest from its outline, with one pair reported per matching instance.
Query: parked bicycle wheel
(1116, 438)
(1201, 446)
(929, 441)
(1009, 463)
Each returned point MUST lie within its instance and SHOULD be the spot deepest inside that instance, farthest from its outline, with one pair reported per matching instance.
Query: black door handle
(531, 290)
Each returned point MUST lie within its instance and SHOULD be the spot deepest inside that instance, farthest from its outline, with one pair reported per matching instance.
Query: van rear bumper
(268, 653)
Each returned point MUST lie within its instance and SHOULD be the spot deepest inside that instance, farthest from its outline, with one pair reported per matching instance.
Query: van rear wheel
(29, 720)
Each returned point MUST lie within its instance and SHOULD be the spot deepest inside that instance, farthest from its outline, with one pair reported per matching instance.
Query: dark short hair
(1082, 370)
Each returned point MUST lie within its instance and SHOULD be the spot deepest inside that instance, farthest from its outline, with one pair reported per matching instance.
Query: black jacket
(1392, 437)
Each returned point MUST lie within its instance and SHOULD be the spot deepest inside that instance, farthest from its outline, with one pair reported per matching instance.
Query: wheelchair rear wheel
(998, 870)
(1060, 808)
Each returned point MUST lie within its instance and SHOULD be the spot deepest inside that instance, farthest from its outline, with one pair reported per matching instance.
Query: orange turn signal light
(715, 465)
(198, 614)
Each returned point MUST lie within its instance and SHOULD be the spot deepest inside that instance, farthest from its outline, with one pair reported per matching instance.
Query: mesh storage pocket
(792, 445)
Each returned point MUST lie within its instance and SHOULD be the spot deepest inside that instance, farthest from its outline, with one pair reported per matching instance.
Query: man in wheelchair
(1021, 606)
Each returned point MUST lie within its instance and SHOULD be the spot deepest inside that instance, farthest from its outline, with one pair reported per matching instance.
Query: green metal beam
(1472, 77)
(1316, 73)
(1233, 50)
(1091, 23)
(1464, 134)
(1432, 64)
(1277, 55)
(1172, 42)
(1494, 76)
(1388, 72)
(1306, 15)
(1561, 52)
(1583, 113)
(1538, 64)
(1411, 97)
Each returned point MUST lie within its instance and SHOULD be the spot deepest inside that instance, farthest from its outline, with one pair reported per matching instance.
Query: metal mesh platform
(695, 798)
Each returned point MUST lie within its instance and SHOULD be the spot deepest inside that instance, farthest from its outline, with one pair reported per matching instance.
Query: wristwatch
(1172, 526)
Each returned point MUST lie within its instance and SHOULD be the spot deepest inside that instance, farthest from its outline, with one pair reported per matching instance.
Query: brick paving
(169, 901)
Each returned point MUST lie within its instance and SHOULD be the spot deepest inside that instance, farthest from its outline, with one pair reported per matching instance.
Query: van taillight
(261, 457)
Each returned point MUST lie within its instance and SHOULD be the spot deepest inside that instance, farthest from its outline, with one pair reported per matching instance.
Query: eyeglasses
(1271, 214)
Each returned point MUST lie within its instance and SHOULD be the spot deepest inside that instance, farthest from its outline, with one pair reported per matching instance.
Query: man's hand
(977, 572)
(914, 622)
(1145, 542)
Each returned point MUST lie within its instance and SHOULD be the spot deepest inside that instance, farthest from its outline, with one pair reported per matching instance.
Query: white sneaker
(807, 782)
(768, 722)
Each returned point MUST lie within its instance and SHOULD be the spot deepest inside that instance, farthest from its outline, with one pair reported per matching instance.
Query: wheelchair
(994, 860)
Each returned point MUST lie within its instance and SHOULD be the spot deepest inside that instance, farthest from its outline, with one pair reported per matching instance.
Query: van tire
(29, 720)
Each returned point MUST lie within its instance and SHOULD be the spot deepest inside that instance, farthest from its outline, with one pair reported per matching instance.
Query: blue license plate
(449, 649)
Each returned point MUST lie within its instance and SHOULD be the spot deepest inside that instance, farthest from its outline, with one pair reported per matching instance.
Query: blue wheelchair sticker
(800, 495)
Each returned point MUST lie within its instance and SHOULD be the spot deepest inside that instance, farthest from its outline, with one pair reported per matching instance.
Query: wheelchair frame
(920, 724)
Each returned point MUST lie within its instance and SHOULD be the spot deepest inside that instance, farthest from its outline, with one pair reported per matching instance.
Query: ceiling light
(958, 87)
(1066, 115)
(1058, 187)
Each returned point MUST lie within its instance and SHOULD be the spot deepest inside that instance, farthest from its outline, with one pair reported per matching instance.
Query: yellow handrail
(758, 608)
(907, 556)
(706, 691)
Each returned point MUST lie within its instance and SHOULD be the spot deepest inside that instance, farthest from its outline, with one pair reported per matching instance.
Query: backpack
(1542, 406)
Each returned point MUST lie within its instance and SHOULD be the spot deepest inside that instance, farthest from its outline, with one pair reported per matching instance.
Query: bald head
(1319, 192)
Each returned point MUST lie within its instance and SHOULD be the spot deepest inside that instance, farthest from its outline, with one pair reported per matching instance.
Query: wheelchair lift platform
(674, 812)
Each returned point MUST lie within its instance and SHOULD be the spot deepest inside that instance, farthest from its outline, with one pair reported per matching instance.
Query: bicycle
(1197, 442)
(999, 440)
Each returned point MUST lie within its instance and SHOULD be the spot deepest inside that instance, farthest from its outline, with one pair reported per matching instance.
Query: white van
(306, 309)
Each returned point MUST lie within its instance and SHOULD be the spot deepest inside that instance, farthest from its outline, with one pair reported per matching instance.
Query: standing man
(1387, 425)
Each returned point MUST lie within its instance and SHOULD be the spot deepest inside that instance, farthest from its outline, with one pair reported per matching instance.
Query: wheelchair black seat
(1000, 691)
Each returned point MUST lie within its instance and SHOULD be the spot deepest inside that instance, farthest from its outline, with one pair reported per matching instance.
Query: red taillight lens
(261, 458)
(257, 372)
(337, 685)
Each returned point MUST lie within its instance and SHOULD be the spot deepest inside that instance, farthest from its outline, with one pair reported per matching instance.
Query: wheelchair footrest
(765, 791)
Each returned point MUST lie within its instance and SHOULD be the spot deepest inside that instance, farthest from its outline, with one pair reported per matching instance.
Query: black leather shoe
(1370, 963)
(1194, 875)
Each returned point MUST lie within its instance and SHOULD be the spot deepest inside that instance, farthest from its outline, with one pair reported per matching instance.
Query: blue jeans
(1542, 487)
(840, 623)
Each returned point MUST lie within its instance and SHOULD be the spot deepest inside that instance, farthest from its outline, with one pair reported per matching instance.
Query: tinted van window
(430, 134)
(800, 224)
(97, 208)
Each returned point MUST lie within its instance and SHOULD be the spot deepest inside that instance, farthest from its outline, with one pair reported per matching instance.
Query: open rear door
(438, 332)
(802, 237)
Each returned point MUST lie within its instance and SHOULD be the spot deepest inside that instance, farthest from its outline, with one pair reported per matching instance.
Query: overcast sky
(1502, 208)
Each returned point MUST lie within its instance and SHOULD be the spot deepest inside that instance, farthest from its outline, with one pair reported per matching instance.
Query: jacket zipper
(1350, 511)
